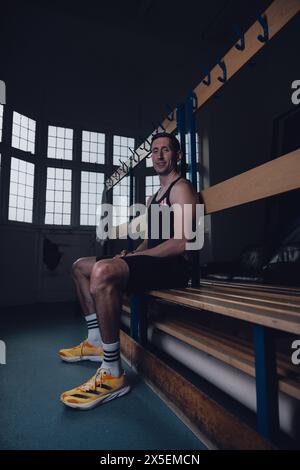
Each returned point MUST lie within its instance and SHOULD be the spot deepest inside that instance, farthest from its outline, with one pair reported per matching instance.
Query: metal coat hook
(224, 69)
(264, 24)
(123, 164)
(144, 146)
(206, 71)
(240, 45)
(134, 152)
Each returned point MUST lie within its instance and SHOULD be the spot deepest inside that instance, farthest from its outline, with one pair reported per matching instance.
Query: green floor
(31, 414)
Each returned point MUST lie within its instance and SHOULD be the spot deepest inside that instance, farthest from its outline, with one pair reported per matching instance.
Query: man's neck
(165, 180)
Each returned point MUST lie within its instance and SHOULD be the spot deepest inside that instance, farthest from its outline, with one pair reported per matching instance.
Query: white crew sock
(112, 358)
(94, 336)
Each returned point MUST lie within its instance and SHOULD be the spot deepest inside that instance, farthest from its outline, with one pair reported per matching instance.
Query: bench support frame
(266, 382)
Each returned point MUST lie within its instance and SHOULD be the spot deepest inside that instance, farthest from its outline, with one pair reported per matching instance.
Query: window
(60, 143)
(121, 201)
(23, 133)
(152, 184)
(187, 147)
(21, 191)
(121, 149)
(1, 121)
(92, 185)
(58, 196)
(93, 147)
(187, 153)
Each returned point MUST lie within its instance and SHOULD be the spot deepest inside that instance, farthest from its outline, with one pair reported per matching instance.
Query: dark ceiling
(112, 65)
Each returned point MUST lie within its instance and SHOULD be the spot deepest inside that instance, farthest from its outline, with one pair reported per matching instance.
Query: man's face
(163, 156)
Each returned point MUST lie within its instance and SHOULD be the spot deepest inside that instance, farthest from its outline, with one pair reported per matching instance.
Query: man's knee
(78, 267)
(105, 275)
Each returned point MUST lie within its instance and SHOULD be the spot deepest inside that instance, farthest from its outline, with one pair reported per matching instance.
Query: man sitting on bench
(156, 263)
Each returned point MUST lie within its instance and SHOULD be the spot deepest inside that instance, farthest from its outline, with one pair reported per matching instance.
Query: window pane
(92, 147)
(58, 196)
(92, 185)
(152, 185)
(1, 120)
(21, 191)
(23, 133)
(121, 148)
(121, 202)
(60, 143)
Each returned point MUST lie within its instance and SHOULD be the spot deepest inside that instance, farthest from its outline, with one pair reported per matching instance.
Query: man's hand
(123, 253)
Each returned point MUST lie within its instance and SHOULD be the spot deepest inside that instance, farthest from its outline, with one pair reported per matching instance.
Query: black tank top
(163, 200)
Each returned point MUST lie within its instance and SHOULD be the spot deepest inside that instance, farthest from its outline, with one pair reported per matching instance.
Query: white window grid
(92, 185)
(121, 148)
(93, 147)
(152, 185)
(20, 205)
(1, 120)
(23, 133)
(58, 196)
(60, 143)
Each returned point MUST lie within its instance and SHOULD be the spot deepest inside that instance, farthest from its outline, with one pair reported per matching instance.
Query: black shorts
(151, 272)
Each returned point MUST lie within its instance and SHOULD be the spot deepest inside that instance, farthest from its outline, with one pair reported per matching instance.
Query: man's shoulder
(183, 189)
(184, 184)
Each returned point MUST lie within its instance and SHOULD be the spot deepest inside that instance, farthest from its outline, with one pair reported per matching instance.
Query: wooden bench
(267, 308)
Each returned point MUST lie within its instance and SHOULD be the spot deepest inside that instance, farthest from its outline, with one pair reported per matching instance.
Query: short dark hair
(174, 141)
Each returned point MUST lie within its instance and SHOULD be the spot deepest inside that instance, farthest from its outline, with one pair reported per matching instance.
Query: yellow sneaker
(84, 351)
(101, 388)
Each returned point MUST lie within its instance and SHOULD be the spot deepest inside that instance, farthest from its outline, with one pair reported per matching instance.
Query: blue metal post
(191, 127)
(180, 118)
(138, 319)
(266, 383)
(131, 202)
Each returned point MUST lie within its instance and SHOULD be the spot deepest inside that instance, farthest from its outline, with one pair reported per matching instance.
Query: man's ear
(179, 160)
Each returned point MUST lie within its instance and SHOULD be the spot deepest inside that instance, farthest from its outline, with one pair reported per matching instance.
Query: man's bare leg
(108, 281)
(107, 284)
(90, 349)
(81, 274)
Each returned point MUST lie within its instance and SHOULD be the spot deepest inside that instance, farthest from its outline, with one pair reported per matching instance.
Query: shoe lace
(97, 379)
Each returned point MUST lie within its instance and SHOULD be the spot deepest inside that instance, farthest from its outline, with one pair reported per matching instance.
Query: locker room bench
(266, 308)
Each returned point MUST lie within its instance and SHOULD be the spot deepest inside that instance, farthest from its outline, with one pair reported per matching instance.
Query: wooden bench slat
(256, 304)
(285, 367)
(254, 298)
(271, 319)
(225, 352)
(285, 299)
(252, 286)
(277, 176)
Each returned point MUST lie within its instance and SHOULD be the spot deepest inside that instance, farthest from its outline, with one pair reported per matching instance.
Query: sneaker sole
(82, 358)
(105, 399)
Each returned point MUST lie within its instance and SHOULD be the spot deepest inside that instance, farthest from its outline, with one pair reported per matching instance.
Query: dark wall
(239, 123)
